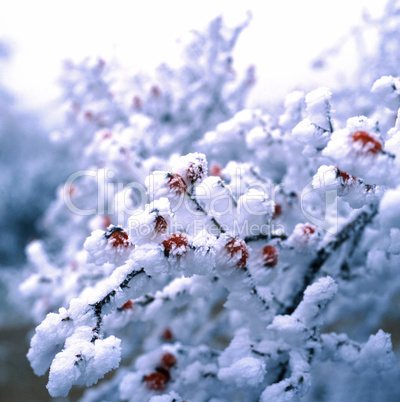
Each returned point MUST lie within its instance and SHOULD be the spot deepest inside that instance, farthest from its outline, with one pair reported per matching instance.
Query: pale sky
(282, 39)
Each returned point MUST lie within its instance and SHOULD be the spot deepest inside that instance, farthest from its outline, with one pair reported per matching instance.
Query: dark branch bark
(262, 236)
(202, 210)
(98, 306)
(354, 228)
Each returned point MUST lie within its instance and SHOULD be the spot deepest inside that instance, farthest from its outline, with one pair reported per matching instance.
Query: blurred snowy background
(282, 41)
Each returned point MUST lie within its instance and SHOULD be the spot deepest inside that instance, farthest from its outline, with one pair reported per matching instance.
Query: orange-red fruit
(106, 221)
(167, 335)
(161, 225)
(168, 360)
(124, 150)
(308, 230)
(270, 256)
(177, 184)
(277, 211)
(128, 305)
(155, 91)
(137, 102)
(344, 175)
(117, 237)
(215, 170)
(237, 247)
(89, 115)
(156, 381)
(178, 242)
(371, 144)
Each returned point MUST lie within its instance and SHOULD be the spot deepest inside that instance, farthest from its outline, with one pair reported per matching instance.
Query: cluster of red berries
(237, 248)
(158, 379)
(193, 172)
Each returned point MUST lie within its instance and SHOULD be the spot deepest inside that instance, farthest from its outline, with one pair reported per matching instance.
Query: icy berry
(369, 143)
(168, 360)
(304, 236)
(160, 224)
(127, 306)
(345, 177)
(155, 91)
(106, 221)
(165, 371)
(176, 183)
(89, 115)
(175, 245)
(277, 211)
(215, 170)
(156, 381)
(270, 256)
(137, 102)
(308, 230)
(106, 135)
(195, 172)
(117, 237)
(167, 335)
(237, 249)
(124, 151)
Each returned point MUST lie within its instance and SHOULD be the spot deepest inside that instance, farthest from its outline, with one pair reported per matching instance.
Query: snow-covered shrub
(228, 276)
